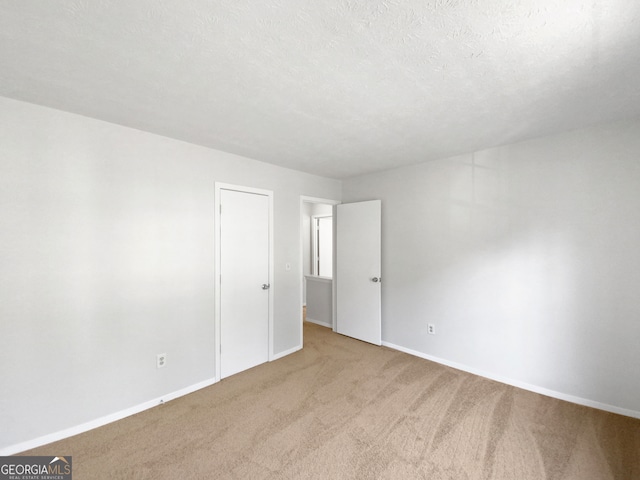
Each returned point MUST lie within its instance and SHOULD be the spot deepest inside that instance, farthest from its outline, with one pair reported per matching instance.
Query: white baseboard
(319, 322)
(113, 417)
(285, 353)
(99, 422)
(515, 383)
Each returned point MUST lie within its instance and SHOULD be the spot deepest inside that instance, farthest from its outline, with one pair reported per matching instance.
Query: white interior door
(358, 271)
(244, 280)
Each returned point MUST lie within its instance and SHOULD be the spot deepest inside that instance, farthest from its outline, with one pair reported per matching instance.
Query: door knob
(376, 279)
(265, 286)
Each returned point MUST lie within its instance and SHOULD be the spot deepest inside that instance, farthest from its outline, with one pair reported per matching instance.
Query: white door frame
(304, 199)
(216, 269)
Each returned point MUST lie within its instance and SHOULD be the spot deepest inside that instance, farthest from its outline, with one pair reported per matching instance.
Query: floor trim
(515, 383)
(285, 353)
(99, 422)
(318, 322)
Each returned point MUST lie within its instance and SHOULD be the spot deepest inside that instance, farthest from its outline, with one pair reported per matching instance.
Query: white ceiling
(332, 87)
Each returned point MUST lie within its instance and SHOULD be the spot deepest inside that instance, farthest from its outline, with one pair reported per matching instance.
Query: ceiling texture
(331, 87)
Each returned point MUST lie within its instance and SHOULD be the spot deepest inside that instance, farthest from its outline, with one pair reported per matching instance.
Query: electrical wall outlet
(431, 329)
(161, 360)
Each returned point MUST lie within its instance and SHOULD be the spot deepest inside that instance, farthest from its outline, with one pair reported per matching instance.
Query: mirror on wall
(322, 246)
(317, 223)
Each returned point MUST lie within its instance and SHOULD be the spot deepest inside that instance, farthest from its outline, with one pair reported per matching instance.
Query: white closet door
(244, 281)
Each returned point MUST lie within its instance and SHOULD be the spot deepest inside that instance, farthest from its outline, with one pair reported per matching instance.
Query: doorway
(244, 274)
(317, 239)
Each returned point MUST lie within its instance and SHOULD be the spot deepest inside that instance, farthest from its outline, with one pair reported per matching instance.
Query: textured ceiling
(333, 87)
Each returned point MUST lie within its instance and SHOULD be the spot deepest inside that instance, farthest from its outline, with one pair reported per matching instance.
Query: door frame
(219, 186)
(306, 199)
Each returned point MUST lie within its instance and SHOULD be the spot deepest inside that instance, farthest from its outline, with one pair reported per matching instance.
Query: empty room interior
(178, 179)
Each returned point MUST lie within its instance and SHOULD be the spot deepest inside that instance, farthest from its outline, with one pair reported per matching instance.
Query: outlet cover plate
(161, 360)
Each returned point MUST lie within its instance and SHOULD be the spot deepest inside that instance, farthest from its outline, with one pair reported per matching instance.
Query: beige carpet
(341, 408)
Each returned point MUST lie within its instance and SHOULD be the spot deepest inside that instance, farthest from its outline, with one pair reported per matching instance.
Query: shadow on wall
(522, 261)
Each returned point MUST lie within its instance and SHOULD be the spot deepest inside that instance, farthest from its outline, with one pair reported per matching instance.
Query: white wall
(106, 259)
(320, 301)
(321, 209)
(526, 258)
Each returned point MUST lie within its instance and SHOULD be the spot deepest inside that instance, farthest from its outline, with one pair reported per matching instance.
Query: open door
(358, 271)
